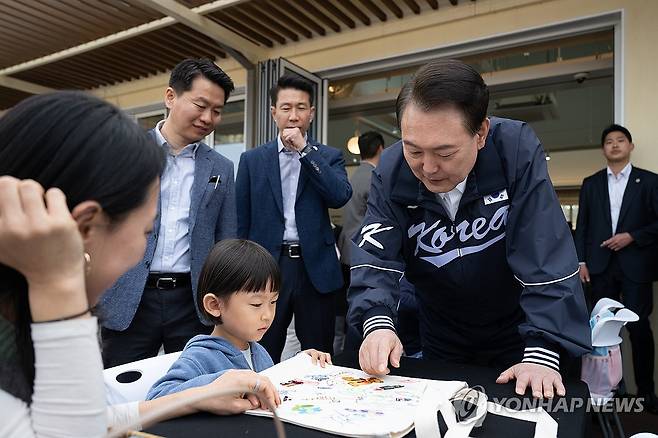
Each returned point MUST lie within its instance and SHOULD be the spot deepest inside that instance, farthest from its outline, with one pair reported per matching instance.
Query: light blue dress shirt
(172, 251)
(289, 167)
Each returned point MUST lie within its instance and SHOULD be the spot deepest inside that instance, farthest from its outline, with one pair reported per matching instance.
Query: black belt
(292, 250)
(162, 280)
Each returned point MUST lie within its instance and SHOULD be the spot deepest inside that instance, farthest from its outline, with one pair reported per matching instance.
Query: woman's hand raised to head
(40, 239)
(245, 381)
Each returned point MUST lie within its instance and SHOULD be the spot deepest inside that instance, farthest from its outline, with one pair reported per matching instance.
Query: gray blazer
(355, 209)
(212, 218)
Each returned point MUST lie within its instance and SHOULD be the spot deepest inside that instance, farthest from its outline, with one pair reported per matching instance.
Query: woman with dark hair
(79, 184)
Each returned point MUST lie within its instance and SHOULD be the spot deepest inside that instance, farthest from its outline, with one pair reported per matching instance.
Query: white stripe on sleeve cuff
(542, 356)
(377, 322)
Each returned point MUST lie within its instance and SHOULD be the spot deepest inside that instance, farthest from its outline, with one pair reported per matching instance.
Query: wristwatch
(306, 150)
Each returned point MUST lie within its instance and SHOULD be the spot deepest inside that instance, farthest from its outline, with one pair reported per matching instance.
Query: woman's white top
(69, 393)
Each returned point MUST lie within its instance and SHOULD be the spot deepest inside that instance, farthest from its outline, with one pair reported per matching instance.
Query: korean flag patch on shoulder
(495, 197)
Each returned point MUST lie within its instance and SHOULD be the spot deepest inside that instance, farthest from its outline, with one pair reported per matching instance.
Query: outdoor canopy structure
(84, 44)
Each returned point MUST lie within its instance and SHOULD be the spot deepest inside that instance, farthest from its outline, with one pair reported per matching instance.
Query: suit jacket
(212, 218)
(355, 209)
(322, 184)
(638, 216)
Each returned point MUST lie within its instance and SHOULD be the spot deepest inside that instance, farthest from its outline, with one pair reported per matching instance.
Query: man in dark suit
(616, 236)
(283, 190)
(371, 145)
(153, 304)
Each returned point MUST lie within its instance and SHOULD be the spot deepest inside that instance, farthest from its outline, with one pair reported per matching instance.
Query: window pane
(149, 122)
(231, 127)
(229, 135)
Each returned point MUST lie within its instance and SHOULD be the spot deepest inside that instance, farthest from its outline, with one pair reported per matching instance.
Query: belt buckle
(291, 255)
(165, 279)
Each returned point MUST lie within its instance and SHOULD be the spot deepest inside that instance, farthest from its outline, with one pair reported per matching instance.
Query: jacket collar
(486, 177)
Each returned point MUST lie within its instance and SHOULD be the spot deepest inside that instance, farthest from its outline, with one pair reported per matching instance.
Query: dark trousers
(314, 311)
(638, 297)
(164, 317)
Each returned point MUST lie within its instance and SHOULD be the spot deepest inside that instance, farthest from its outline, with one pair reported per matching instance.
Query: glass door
(269, 73)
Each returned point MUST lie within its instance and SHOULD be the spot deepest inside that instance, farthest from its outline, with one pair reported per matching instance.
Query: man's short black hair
(291, 81)
(188, 70)
(447, 83)
(369, 143)
(615, 128)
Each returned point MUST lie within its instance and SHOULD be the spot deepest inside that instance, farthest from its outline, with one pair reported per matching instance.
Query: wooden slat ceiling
(33, 28)
(30, 29)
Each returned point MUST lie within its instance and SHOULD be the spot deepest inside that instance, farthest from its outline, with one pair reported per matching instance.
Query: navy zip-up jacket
(506, 266)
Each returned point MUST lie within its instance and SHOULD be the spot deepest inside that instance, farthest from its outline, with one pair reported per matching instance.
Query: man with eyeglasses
(152, 305)
(464, 209)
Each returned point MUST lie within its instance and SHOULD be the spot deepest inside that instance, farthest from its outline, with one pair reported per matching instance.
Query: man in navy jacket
(283, 190)
(463, 207)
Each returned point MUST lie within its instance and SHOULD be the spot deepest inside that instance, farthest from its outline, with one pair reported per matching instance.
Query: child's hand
(319, 356)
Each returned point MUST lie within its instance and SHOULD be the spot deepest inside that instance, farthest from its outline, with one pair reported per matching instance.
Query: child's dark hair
(236, 265)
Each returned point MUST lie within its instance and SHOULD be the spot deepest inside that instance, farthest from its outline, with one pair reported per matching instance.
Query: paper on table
(347, 401)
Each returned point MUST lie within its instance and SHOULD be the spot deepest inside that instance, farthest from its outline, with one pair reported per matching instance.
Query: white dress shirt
(289, 167)
(450, 200)
(616, 187)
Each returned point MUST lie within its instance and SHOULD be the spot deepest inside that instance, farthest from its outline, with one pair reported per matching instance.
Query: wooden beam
(358, 13)
(275, 25)
(374, 9)
(308, 7)
(27, 87)
(413, 6)
(114, 38)
(284, 19)
(293, 10)
(330, 8)
(232, 42)
(231, 22)
(390, 4)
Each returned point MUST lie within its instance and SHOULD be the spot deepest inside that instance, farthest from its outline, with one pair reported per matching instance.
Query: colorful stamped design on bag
(306, 409)
(343, 399)
(318, 377)
(359, 381)
(388, 387)
(363, 412)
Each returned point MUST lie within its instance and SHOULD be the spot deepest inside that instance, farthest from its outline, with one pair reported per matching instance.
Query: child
(237, 292)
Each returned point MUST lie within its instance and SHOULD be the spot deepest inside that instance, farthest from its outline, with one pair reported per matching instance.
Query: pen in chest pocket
(214, 179)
